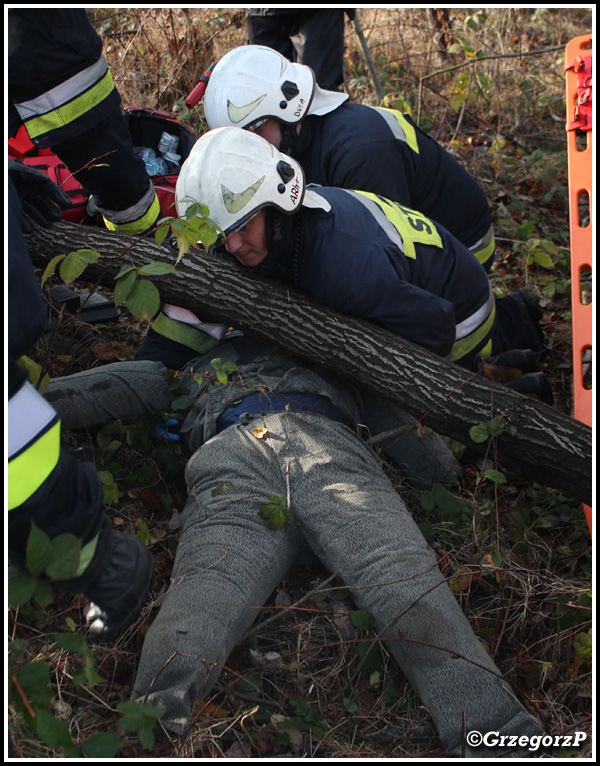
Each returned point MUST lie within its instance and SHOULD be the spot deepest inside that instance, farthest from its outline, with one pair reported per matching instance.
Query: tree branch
(538, 442)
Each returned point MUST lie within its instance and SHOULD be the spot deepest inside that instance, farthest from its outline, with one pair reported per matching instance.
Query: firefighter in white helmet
(348, 145)
(354, 251)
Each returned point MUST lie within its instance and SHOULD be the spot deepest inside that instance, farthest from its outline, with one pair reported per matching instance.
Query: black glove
(40, 197)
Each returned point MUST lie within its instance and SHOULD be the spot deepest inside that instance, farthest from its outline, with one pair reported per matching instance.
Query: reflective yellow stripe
(412, 226)
(140, 225)
(467, 344)
(29, 470)
(410, 134)
(183, 333)
(484, 254)
(66, 114)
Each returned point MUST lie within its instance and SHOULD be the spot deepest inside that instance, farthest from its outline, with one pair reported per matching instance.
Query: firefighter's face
(249, 243)
(268, 129)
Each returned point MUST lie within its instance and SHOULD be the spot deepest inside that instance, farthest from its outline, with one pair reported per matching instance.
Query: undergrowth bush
(489, 85)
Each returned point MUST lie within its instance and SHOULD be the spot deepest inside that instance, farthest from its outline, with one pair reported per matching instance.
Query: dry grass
(527, 609)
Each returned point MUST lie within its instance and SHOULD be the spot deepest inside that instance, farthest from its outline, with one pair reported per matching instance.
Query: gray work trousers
(228, 561)
(344, 508)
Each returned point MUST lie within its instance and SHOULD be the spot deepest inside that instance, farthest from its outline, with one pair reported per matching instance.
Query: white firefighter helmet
(235, 173)
(253, 82)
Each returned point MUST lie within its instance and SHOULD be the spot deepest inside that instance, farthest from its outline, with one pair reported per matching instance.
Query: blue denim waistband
(255, 404)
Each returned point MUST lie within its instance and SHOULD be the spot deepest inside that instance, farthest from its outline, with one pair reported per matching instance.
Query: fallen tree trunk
(538, 442)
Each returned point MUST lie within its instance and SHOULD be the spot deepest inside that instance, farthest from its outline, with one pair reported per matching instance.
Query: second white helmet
(235, 173)
(254, 82)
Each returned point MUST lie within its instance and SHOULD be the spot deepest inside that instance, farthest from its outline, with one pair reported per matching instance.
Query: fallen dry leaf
(105, 351)
(260, 433)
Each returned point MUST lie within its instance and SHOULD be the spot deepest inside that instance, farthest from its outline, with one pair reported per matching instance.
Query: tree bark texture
(538, 442)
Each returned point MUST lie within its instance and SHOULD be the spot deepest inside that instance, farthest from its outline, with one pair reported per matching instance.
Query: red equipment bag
(146, 126)
(21, 148)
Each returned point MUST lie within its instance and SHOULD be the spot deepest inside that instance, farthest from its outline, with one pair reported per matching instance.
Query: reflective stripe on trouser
(136, 219)
(473, 334)
(68, 101)
(33, 443)
(484, 249)
(183, 333)
(228, 562)
(34, 453)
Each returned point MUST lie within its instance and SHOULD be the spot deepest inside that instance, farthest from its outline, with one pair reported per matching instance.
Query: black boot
(517, 323)
(121, 588)
(535, 384)
(531, 313)
(116, 581)
(509, 365)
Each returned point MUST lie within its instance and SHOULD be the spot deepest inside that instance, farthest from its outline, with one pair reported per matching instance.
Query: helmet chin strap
(289, 139)
(273, 221)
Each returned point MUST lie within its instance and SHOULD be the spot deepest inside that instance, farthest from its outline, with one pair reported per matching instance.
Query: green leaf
(183, 247)
(37, 553)
(161, 234)
(583, 645)
(76, 263)
(444, 499)
(138, 710)
(543, 259)
(146, 734)
(64, 557)
(180, 402)
(102, 745)
(34, 370)
(73, 642)
(109, 487)
(157, 268)
(427, 501)
(43, 593)
(129, 723)
(178, 226)
(276, 512)
(91, 677)
(202, 230)
(20, 587)
(144, 535)
(51, 730)
(196, 209)
(144, 300)
(49, 270)
(371, 655)
(525, 229)
(278, 518)
(123, 286)
(479, 433)
(34, 674)
(299, 704)
(496, 476)
(362, 620)
(124, 270)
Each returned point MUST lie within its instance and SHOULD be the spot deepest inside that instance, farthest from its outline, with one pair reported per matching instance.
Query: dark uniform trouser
(312, 37)
(345, 510)
(46, 485)
(61, 89)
